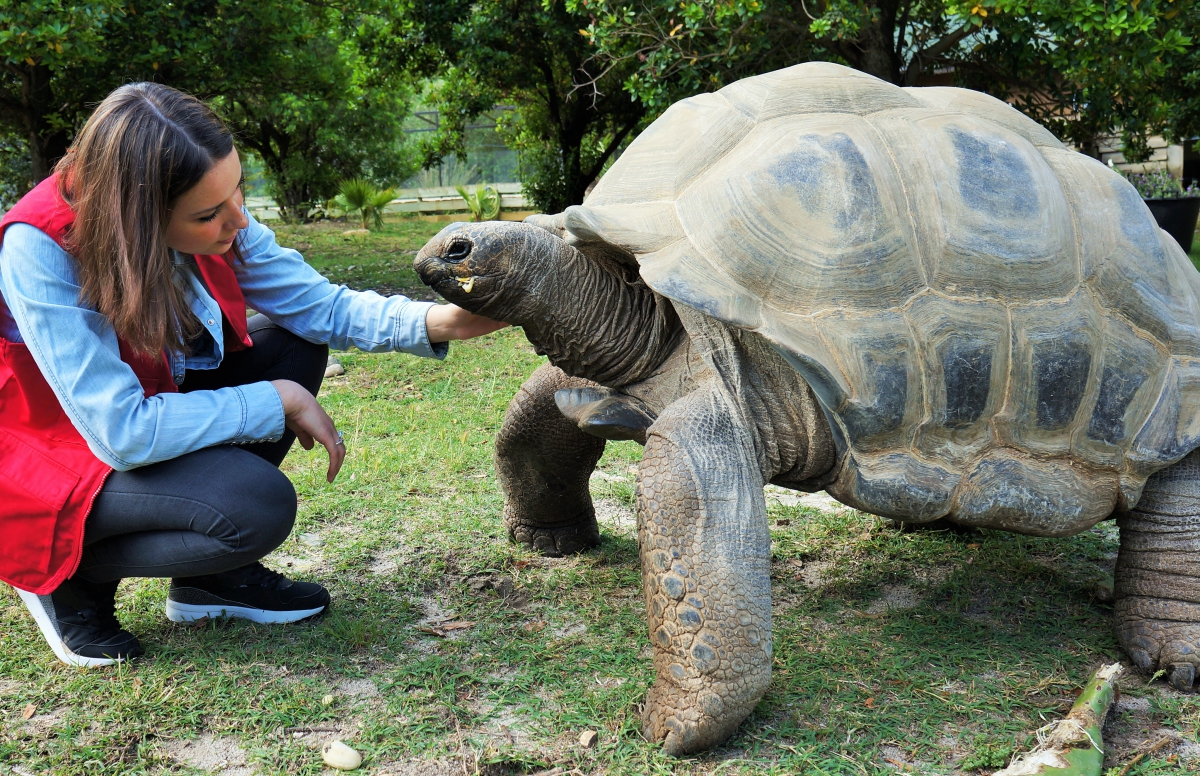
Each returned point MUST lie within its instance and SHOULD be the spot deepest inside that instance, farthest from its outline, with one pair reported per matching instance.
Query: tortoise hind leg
(705, 552)
(543, 462)
(1158, 575)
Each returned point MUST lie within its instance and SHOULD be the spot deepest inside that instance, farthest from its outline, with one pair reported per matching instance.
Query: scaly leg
(705, 551)
(1158, 575)
(544, 461)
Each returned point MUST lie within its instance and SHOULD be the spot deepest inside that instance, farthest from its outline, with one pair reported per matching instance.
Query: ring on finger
(341, 440)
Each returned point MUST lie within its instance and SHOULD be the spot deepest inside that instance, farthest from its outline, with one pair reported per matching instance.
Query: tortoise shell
(995, 326)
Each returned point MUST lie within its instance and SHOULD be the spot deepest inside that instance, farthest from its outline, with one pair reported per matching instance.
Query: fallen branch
(1072, 746)
(1129, 765)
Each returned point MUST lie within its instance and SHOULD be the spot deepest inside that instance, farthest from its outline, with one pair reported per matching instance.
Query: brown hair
(144, 147)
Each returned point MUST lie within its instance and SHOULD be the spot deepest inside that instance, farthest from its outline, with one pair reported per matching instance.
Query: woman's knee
(266, 508)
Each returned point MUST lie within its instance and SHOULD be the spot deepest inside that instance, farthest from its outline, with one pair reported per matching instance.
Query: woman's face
(208, 216)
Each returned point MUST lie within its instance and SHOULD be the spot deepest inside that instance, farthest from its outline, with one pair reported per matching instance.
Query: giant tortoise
(916, 299)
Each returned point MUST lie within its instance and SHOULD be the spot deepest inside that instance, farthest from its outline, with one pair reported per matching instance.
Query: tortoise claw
(557, 541)
(1182, 676)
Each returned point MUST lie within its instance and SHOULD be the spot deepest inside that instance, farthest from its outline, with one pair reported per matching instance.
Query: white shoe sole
(177, 612)
(61, 650)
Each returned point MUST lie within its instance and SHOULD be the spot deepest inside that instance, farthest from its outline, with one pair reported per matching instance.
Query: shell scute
(875, 353)
(1005, 222)
(1040, 497)
(1173, 428)
(972, 103)
(809, 217)
(1129, 375)
(1053, 348)
(670, 154)
(964, 347)
(818, 87)
(897, 485)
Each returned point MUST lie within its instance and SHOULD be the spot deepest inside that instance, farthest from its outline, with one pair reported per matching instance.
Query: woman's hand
(446, 322)
(306, 418)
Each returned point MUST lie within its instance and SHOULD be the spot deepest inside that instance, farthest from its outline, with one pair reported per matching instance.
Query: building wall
(1164, 156)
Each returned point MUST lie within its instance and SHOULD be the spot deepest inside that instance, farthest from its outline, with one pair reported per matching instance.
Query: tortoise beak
(443, 266)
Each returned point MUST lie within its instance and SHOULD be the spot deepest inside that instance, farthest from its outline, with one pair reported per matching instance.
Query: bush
(16, 170)
(361, 197)
(1160, 185)
(484, 203)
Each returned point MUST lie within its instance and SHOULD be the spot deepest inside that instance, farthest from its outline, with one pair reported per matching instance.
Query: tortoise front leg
(543, 462)
(705, 552)
(1158, 575)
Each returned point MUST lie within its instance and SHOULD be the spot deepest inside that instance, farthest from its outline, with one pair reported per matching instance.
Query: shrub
(484, 203)
(1160, 185)
(364, 199)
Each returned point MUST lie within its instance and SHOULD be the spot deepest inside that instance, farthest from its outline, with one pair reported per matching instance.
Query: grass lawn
(450, 651)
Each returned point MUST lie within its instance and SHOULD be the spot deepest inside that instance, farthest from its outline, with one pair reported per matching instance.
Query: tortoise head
(587, 319)
(494, 268)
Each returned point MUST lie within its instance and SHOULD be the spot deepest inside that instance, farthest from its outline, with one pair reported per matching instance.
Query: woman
(142, 416)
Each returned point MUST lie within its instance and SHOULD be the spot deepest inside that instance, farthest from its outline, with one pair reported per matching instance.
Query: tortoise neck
(593, 319)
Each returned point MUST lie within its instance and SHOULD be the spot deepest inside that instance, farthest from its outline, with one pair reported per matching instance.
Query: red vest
(48, 476)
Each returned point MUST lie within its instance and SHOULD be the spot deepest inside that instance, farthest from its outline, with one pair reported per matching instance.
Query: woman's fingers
(320, 426)
(311, 424)
(304, 438)
(331, 440)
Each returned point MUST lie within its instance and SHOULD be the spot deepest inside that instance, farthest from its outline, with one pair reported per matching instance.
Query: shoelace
(102, 621)
(259, 575)
(99, 620)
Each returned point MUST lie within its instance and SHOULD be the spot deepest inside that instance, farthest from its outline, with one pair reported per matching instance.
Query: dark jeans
(212, 510)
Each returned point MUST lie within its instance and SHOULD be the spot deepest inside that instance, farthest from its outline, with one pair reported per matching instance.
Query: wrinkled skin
(729, 415)
(1158, 576)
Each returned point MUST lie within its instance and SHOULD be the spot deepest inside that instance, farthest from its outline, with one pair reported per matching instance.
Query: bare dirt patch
(425, 768)
(40, 725)
(616, 516)
(358, 688)
(499, 586)
(820, 500)
(894, 598)
(221, 755)
(503, 725)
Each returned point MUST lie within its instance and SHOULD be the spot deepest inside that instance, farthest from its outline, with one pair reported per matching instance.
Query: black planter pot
(1177, 217)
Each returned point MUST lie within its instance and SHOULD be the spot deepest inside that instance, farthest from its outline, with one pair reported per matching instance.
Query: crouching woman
(142, 416)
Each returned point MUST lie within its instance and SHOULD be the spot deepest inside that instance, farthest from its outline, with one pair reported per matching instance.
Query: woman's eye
(209, 218)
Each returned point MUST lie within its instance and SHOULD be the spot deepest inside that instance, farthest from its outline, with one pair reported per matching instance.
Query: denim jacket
(76, 347)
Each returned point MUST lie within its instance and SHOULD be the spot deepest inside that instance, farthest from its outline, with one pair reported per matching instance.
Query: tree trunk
(877, 57)
(46, 144)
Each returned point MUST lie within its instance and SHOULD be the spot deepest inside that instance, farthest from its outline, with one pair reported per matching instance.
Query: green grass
(895, 652)
(381, 261)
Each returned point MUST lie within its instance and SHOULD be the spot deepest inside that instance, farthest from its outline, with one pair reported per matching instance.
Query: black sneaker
(252, 592)
(79, 623)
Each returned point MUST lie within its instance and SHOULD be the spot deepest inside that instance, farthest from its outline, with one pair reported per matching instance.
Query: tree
(1082, 67)
(289, 78)
(568, 124)
(16, 173)
(287, 75)
(1181, 82)
(48, 47)
(313, 108)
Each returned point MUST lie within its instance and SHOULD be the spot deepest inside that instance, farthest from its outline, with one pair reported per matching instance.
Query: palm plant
(362, 198)
(484, 202)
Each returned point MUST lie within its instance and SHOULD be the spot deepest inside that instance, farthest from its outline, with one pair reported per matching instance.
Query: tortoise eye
(457, 251)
